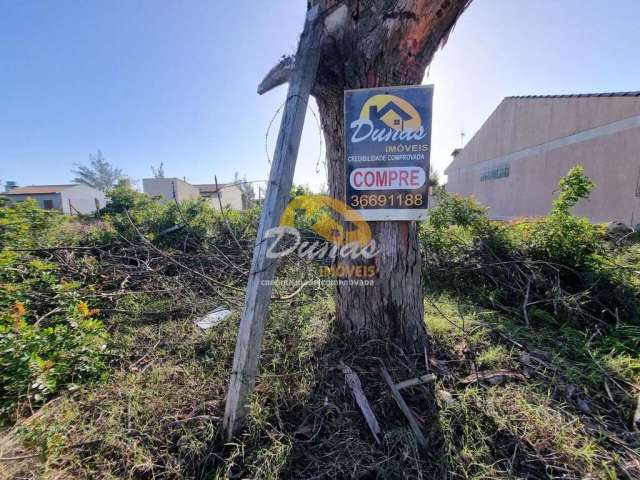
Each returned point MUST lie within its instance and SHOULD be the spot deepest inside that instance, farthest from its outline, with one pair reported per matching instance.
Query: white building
(72, 199)
(170, 189)
(227, 194)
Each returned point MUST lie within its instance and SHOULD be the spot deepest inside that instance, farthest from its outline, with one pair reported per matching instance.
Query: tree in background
(158, 172)
(434, 177)
(248, 194)
(100, 174)
(298, 190)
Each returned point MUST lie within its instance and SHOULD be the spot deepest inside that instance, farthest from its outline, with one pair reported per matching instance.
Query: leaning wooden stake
(353, 381)
(248, 346)
(395, 391)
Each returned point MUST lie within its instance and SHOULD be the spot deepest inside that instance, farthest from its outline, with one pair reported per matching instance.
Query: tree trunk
(375, 43)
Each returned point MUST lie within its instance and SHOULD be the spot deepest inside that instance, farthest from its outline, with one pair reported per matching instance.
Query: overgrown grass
(159, 414)
(569, 413)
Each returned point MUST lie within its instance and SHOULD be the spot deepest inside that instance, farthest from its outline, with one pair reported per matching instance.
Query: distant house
(72, 198)
(514, 162)
(229, 194)
(170, 189)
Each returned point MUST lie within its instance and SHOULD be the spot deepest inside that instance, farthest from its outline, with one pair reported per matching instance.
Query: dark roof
(39, 189)
(577, 95)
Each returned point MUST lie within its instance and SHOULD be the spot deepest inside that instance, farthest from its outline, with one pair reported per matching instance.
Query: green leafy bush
(561, 237)
(24, 224)
(50, 339)
(37, 361)
(192, 224)
(459, 225)
(560, 264)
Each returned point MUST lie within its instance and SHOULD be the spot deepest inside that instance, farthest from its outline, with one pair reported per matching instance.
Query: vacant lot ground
(544, 391)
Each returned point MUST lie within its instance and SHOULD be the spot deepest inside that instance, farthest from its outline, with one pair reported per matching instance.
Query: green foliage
(49, 338)
(560, 263)
(122, 197)
(561, 237)
(454, 209)
(298, 190)
(457, 224)
(565, 239)
(37, 361)
(573, 187)
(22, 274)
(24, 224)
(194, 224)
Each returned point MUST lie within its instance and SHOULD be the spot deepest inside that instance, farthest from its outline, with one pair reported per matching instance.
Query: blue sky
(174, 81)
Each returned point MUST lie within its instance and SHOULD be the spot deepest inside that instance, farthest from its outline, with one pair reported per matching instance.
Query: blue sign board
(387, 150)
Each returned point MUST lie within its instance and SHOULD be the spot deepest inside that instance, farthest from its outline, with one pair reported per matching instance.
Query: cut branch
(356, 389)
(278, 75)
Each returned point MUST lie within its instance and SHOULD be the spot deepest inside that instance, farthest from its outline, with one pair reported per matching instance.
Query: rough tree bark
(376, 43)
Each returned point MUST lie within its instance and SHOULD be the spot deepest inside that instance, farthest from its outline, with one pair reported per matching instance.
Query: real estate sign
(387, 149)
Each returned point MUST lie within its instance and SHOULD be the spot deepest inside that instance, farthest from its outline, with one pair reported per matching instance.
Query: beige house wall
(231, 196)
(540, 139)
(168, 188)
(82, 198)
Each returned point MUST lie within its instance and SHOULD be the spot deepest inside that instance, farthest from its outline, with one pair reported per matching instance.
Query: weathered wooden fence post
(258, 294)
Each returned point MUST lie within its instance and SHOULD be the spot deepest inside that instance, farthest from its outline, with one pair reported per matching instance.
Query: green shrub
(561, 237)
(559, 263)
(37, 362)
(25, 225)
(453, 209)
(122, 197)
(192, 224)
(457, 225)
(50, 339)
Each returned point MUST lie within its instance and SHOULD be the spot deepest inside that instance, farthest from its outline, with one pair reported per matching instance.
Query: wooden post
(258, 295)
(215, 179)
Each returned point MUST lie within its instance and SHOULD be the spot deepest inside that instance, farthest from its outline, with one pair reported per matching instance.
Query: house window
(494, 173)
(47, 204)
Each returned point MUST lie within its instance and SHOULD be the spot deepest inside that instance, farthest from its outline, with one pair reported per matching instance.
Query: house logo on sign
(387, 118)
(392, 111)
